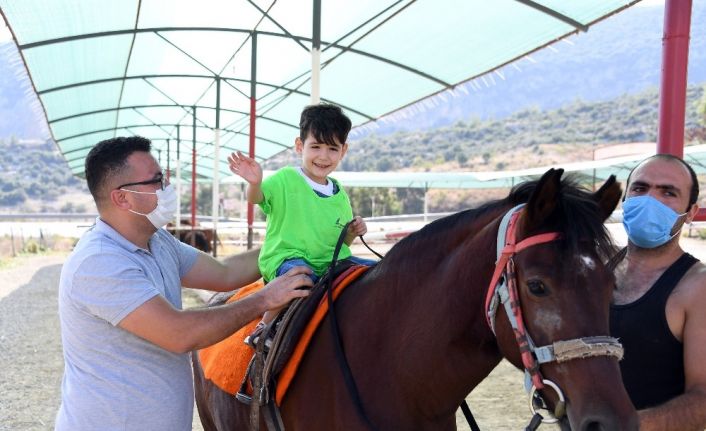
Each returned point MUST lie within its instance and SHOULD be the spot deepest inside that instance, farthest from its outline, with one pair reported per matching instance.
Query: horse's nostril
(593, 426)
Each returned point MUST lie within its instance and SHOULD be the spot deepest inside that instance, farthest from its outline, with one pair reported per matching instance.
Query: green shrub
(33, 247)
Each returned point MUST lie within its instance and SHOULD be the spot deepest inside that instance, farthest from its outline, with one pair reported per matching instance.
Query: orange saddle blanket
(226, 362)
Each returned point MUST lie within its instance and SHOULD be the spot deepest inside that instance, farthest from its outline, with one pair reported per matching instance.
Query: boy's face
(318, 158)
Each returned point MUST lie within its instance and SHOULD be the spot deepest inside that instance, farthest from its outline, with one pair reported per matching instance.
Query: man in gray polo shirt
(126, 340)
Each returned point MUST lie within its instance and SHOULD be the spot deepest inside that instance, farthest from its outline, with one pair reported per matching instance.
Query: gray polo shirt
(114, 380)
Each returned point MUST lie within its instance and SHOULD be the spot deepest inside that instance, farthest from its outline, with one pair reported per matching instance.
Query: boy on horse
(306, 209)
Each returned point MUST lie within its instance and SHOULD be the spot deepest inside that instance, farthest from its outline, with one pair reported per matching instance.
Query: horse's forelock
(577, 216)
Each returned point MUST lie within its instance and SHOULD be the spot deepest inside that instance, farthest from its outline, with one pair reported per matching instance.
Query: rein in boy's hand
(357, 227)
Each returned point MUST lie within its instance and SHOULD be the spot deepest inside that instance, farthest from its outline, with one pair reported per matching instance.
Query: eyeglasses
(162, 180)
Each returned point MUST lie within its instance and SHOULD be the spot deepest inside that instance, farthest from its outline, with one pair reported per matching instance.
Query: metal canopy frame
(422, 62)
(563, 19)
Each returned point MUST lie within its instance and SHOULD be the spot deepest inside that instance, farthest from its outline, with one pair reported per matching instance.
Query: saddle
(286, 329)
(272, 369)
(262, 379)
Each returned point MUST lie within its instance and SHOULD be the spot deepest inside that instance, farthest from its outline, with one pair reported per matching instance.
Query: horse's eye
(536, 287)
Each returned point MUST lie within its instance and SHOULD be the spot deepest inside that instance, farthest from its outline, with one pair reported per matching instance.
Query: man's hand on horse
(292, 284)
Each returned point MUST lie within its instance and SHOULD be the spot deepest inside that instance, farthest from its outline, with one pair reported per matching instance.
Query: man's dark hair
(324, 122)
(693, 194)
(109, 158)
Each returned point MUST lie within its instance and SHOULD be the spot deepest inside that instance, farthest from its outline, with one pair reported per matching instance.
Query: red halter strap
(509, 250)
(505, 265)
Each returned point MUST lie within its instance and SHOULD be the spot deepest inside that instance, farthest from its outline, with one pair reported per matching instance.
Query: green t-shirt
(300, 223)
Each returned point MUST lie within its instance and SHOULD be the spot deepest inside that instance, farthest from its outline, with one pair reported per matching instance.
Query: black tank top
(653, 364)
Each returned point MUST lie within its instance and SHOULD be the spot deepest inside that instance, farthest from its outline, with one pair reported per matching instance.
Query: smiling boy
(306, 209)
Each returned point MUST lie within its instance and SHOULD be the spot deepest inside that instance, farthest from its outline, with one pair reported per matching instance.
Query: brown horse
(415, 328)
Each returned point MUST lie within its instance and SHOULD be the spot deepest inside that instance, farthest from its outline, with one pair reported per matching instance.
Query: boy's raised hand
(245, 167)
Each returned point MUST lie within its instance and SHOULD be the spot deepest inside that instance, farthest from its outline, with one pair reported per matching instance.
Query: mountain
(620, 55)
(598, 89)
(20, 114)
(527, 138)
(35, 178)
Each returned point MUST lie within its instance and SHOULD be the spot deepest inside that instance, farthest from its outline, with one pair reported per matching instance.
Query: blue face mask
(648, 222)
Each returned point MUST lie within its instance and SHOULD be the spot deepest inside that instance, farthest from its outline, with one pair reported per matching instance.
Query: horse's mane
(577, 217)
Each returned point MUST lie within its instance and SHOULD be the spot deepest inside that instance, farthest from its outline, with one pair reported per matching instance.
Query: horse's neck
(434, 292)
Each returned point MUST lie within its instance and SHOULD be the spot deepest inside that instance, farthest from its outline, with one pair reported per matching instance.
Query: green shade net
(158, 68)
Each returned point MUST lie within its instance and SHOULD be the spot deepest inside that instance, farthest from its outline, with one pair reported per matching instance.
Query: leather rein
(503, 289)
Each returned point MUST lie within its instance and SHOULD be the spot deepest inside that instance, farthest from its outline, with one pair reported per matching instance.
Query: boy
(305, 209)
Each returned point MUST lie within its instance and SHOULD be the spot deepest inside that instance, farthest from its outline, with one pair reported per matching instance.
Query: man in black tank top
(659, 305)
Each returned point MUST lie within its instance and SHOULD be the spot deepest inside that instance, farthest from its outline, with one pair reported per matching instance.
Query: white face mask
(165, 209)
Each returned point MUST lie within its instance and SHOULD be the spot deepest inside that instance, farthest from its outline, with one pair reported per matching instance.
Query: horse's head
(562, 294)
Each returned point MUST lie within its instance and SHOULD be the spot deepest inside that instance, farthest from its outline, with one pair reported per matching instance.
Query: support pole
(426, 204)
(178, 182)
(316, 54)
(169, 156)
(216, 168)
(253, 106)
(672, 95)
(193, 172)
(675, 59)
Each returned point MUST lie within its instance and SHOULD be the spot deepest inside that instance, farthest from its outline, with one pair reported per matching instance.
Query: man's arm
(182, 331)
(230, 273)
(687, 412)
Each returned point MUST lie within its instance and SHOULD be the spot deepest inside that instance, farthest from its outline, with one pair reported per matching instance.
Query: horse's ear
(607, 197)
(543, 200)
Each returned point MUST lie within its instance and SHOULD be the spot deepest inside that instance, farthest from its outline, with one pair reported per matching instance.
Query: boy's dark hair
(693, 194)
(109, 158)
(324, 122)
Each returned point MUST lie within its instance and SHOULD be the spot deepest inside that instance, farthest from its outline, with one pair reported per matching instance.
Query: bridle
(503, 289)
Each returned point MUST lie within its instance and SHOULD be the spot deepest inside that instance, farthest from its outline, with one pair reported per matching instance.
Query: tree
(369, 202)
(461, 158)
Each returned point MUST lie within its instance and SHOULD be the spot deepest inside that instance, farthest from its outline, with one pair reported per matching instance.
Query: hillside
(527, 138)
(620, 55)
(35, 177)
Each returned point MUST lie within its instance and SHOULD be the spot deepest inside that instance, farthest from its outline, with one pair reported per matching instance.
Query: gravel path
(31, 360)
(30, 348)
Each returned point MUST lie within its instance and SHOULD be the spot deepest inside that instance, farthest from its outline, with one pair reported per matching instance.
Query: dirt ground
(31, 360)
(32, 364)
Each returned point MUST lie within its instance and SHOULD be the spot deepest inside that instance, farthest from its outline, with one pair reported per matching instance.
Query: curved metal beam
(158, 126)
(554, 14)
(145, 77)
(232, 30)
(100, 111)
(201, 157)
